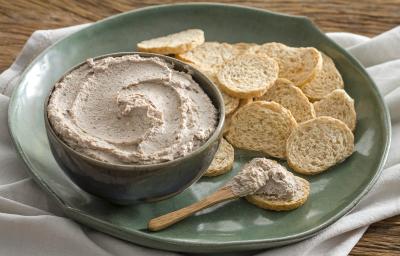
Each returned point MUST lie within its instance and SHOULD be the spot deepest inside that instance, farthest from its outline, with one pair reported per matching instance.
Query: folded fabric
(32, 224)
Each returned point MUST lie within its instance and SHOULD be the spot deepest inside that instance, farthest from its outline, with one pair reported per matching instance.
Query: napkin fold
(32, 224)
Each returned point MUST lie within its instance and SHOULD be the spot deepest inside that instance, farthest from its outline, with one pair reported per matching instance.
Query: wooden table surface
(19, 18)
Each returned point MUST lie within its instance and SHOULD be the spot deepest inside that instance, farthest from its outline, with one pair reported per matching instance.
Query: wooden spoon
(164, 221)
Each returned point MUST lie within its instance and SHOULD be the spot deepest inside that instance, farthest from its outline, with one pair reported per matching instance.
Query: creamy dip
(268, 178)
(131, 109)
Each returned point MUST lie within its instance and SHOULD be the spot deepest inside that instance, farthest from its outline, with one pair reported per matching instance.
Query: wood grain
(171, 218)
(19, 18)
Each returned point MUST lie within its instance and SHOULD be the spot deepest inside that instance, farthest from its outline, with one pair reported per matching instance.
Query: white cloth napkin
(31, 223)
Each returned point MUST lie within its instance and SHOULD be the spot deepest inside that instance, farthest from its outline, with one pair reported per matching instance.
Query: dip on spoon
(263, 177)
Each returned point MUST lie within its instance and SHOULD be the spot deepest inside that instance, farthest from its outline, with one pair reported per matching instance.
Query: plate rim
(188, 246)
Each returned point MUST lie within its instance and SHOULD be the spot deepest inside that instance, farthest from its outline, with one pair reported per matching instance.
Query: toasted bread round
(176, 43)
(282, 205)
(338, 104)
(245, 48)
(247, 76)
(325, 81)
(318, 144)
(228, 117)
(291, 97)
(209, 56)
(243, 102)
(223, 160)
(299, 65)
(231, 103)
(227, 124)
(261, 126)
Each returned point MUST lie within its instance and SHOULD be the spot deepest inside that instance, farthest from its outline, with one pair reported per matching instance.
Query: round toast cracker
(325, 81)
(230, 103)
(291, 97)
(247, 76)
(245, 48)
(223, 160)
(243, 102)
(228, 118)
(261, 126)
(318, 144)
(209, 56)
(281, 205)
(299, 65)
(227, 124)
(176, 43)
(337, 104)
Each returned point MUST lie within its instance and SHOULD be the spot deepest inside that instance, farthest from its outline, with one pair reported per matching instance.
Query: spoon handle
(171, 218)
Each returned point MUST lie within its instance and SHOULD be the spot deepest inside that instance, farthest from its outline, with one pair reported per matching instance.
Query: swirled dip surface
(131, 109)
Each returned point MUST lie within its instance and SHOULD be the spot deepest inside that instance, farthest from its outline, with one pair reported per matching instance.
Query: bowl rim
(128, 167)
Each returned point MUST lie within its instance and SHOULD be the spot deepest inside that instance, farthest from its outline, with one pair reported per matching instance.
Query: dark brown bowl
(130, 183)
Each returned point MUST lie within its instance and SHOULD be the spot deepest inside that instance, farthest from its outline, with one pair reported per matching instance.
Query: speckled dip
(129, 183)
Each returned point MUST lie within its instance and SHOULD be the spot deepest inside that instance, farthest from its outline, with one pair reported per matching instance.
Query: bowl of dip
(131, 127)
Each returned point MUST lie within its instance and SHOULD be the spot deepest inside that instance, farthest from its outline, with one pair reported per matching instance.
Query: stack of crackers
(287, 102)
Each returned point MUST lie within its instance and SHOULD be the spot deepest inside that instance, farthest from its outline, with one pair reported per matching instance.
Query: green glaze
(232, 226)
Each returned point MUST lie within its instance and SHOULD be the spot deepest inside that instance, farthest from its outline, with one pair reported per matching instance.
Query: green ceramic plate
(232, 226)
